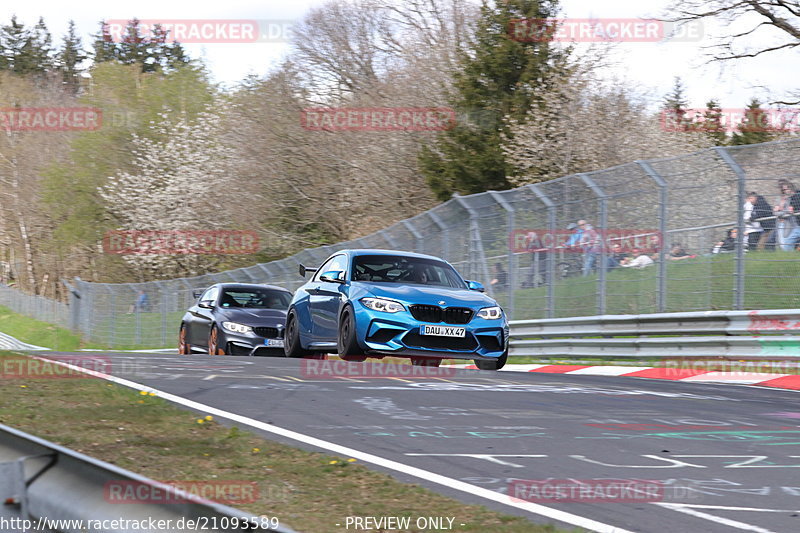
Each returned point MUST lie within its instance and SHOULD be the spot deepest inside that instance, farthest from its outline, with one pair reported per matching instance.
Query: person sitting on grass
(640, 260)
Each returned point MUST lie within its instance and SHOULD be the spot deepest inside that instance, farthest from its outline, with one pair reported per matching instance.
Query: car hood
(428, 295)
(254, 317)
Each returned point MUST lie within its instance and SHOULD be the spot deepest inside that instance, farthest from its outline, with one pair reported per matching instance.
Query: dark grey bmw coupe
(236, 319)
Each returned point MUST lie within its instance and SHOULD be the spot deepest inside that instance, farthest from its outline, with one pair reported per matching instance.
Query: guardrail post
(551, 254)
(511, 282)
(601, 267)
(414, 233)
(663, 198)
(738, 291)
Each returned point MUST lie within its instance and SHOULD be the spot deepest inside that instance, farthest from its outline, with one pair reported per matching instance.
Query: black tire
(348, 348)
(291, 345)
(496, 364)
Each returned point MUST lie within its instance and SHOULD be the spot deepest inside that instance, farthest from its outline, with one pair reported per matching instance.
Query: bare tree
(586, 124)
(767, 27)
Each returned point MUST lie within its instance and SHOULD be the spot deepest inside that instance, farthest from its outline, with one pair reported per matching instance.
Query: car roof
(246, 286)
(376, 251)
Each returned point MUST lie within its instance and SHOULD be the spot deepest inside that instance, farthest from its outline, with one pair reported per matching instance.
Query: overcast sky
(650, 65)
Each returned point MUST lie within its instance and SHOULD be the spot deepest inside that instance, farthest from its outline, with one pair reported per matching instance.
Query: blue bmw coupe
(375, 303)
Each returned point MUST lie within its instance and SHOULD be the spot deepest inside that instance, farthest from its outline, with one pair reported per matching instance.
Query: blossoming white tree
(178, 184)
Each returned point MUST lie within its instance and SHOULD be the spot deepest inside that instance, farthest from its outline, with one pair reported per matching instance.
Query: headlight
(490, 313)
(236, 328)
(379, 304)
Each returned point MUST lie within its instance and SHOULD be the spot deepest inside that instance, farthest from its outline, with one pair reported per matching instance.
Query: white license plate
(277, 343)
(442, 331)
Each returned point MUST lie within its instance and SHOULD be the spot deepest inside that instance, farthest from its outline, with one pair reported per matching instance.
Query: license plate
(277, 343)
(442, 331)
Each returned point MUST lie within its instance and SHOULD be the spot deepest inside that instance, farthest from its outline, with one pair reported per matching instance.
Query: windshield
(255, 299)
(402, 269)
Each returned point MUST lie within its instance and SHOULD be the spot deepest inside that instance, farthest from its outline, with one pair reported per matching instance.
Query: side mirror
(476, 286)
(206, 304)
(333, 276)
(303, 269)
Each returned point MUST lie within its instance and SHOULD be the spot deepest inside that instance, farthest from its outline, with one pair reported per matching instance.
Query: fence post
(443, 230)
(512, 258)
(74, 305)
(476, 256)
(738, 291)
(389, 239)
(551, 254)
(663, 198)
(601, 266)
(164, 307)
(414, 233)
(113, 320)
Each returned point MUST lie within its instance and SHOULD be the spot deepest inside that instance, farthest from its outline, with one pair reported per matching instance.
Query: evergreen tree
(152, 52)
(26, 51)
(498, 74)
(12, 38)
(755, 126)
(712, 123)
(69, 58)
(674, 108)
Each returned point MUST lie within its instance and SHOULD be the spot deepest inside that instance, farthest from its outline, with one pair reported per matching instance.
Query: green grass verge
(703, 283)
(306, 491)
(32, 331)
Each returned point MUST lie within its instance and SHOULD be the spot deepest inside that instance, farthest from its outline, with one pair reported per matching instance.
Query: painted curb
(778, 381)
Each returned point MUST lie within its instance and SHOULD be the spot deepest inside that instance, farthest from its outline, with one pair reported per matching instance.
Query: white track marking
(688, 509)
(432, 477)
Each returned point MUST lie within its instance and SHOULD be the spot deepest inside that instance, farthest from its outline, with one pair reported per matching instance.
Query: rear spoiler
(303, 269)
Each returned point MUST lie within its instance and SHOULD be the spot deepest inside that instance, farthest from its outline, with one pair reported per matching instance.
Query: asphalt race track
(715, 457)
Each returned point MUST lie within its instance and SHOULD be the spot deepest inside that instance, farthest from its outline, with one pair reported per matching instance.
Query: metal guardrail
(41, 480)
(767, 333)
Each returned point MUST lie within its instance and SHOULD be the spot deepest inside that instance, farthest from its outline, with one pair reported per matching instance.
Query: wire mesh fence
(665, 235)
(38, 307)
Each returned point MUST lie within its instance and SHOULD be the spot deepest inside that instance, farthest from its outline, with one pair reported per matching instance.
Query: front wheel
(348, 347)
(213, 342)
(291, 344)
(495, 364)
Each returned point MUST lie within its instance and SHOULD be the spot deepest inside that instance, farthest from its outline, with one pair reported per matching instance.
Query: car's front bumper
(399, 334)
(251, 344)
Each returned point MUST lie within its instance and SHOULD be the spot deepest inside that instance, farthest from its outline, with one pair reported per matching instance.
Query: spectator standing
(500, 279)
(787, 233)
(762, 213)
(590, 244)
(140, 304)
(752, 228)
